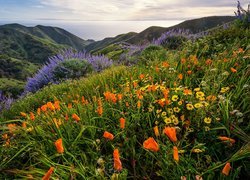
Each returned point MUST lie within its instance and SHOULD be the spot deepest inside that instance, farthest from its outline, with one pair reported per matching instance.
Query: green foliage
(174, 42)
(112, 51)
(11, 87)
(152, 53)
(72, 69)
(15, 68)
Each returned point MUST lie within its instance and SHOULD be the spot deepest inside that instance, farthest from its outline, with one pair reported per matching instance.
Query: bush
(68, 64)
(72, 68)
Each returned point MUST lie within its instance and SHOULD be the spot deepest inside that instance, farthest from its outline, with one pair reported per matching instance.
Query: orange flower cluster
(110, 96)
(151, 144)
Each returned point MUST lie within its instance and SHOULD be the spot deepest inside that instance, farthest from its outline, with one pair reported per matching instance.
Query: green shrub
(72, 68)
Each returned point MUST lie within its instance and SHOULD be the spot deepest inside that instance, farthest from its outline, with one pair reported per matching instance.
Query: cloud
(140, 9)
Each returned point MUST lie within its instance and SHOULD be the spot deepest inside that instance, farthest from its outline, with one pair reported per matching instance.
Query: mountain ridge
(147, 35)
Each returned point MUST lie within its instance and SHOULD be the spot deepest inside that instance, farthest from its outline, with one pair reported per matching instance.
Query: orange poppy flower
(83, 100)
(233, 70)
(127, 104)
(142, 76)
(5, 136)
(57, 105)
(70, 105)
(24, 124)
(156, 131)
(189, 72)
(44, 108)
(122, 123)
(11, 127)
(32, 116)
(157, 69)
(183, 61)
(38, 111)
(151, 144)
(175, 154)
(23, 114)
(48, 174)
(66, 117)
(117, 161)
(59, 146)
(138, 104)
(165, 64)
(76, 117)
(51, 106)
(99, 110)
(119, 96)
(208, 62)
(226, 169)
(108, 135)
(224, 138)
(171, 133)
(180, 76)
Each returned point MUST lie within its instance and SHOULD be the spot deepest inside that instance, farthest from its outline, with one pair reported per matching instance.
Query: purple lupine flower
(163, 39)
(46, 74)
(5, 102)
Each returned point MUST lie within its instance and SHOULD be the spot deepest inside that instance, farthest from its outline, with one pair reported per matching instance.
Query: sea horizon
(96, 30)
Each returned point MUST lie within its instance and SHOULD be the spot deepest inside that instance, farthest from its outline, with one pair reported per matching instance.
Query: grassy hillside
(177, 114)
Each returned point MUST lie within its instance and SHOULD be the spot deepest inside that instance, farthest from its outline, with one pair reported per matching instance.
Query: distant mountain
(195, 25)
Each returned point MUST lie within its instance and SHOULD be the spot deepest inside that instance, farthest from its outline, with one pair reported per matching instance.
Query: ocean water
(97, 30)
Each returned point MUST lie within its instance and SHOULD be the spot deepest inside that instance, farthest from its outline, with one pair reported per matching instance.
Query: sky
(113, 10)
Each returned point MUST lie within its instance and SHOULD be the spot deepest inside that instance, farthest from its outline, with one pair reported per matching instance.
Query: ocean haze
(97, 30)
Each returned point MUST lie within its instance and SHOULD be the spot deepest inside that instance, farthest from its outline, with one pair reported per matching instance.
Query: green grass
(201, 98)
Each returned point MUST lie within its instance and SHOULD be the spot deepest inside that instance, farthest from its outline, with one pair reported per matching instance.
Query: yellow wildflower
(180, 103)
(200, 94)
(164, 113)
(197, 150)
(224, 89)
(170, 111)
(175, 98)
(197, 89)
(174, 119)
(207, 120)
(167, 120)
(198, 105)
(177, 109)
(190, 107)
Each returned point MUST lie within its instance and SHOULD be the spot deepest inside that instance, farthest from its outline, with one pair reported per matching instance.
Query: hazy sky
(89, 10)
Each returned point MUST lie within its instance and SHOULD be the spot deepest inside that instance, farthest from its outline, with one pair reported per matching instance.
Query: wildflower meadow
(178, 114)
